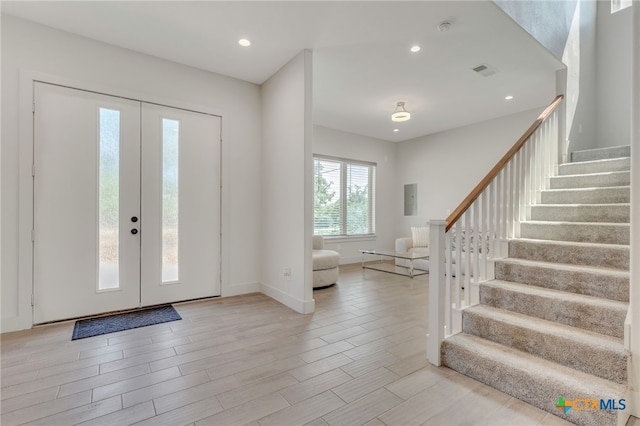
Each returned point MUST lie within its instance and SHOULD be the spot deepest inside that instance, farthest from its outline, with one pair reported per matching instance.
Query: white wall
(1, 97)
(568, 30)
(548, 22)
(286, 182)
(341, 144)
(614, 37)
(28, 46)
(633, 317)
(595, 46)
(448, 165)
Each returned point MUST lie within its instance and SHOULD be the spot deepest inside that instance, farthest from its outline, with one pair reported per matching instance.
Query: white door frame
(24, 319)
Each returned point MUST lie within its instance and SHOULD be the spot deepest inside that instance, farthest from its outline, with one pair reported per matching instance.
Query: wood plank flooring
(359, 359)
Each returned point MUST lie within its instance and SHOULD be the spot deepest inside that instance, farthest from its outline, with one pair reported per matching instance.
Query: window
(109, 199)
(344, 204)
(618, 5)
(170, 199)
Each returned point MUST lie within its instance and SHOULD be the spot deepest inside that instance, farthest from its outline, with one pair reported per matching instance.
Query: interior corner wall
(567, 29)
(448, 165)
(286, 169)
(336, 143)
(1, 97)
(633, 317)
(613, 108)
(33, 47)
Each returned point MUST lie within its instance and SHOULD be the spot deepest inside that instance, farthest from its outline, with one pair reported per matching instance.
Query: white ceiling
(362, 63)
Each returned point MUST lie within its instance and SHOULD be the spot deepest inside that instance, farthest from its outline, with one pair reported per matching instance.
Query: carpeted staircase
(552, 322)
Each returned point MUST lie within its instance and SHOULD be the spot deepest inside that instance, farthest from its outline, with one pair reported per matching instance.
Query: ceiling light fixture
(396, 130)
(400, 114)
(244, 42)
(415, 49)
(508, 97)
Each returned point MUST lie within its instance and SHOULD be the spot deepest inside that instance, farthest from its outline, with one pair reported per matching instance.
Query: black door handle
(134, 231)
(134, 219)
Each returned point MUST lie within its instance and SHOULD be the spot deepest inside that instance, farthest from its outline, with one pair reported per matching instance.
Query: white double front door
(126, 204)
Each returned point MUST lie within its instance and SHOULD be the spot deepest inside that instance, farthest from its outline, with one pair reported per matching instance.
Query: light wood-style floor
(359, 359)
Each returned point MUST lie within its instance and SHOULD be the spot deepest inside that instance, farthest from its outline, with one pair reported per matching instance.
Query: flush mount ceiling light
(400, 114)
(396, 130)
(244, 42)
(508, 97)
(415, 49)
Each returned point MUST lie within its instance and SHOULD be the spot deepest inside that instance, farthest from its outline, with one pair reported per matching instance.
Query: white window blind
(344, 197)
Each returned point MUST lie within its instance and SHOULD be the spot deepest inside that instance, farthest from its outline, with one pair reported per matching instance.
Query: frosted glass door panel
(109, 199)
(180, 204)
(86, 189)
(170, 199)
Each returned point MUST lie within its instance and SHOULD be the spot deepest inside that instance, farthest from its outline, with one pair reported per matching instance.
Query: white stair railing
(464, 246)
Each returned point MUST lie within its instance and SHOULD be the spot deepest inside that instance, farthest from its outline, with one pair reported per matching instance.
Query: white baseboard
(15, 324)
(229, 290)
(633, 403)
(301, 306)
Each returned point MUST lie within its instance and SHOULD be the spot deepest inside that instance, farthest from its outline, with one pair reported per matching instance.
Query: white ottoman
(325, 264)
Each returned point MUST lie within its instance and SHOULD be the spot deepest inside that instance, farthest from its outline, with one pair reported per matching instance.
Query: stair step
(605, 195)
(611, 213)
(595, 166)
(591, 180)
(601, 153)
(574, 253)
(601, 316)
(598, 282)
(583, 232)
(593, 353)
(531, 379)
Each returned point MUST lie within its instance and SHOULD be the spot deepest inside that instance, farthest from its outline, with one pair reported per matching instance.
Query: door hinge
(33, 170)
(33, 107)
(32, 300)
(33, 235)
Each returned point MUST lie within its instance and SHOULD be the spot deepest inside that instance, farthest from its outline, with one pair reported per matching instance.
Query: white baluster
(516, 195)
(448, 318)
(467, 257)
(483, 232)
(459, 283)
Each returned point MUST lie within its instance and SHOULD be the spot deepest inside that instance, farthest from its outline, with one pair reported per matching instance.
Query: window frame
(343, 217)
(618, 5)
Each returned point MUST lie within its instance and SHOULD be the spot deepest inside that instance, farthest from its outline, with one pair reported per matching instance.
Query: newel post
(436, 290)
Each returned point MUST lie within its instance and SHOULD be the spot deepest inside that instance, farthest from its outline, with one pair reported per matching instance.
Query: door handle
(134, 231)
(134, 219)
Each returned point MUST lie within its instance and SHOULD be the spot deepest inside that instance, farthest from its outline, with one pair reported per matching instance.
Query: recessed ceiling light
(244, 42)
(396, 130)
(415, 48)
(508, 97)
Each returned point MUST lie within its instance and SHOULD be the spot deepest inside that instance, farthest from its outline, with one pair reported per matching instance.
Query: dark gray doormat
(118, 322)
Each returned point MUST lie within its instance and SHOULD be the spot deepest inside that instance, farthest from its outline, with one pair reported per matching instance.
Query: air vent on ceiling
(484, 70)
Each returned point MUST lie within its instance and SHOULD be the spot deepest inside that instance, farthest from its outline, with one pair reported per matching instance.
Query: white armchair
(325, 264)
(419, 243)
(405, 245)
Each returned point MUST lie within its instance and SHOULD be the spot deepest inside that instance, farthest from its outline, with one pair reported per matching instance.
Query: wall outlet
(287, 273)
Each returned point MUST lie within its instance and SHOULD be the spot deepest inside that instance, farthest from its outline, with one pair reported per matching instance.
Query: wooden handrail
(475, 193)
